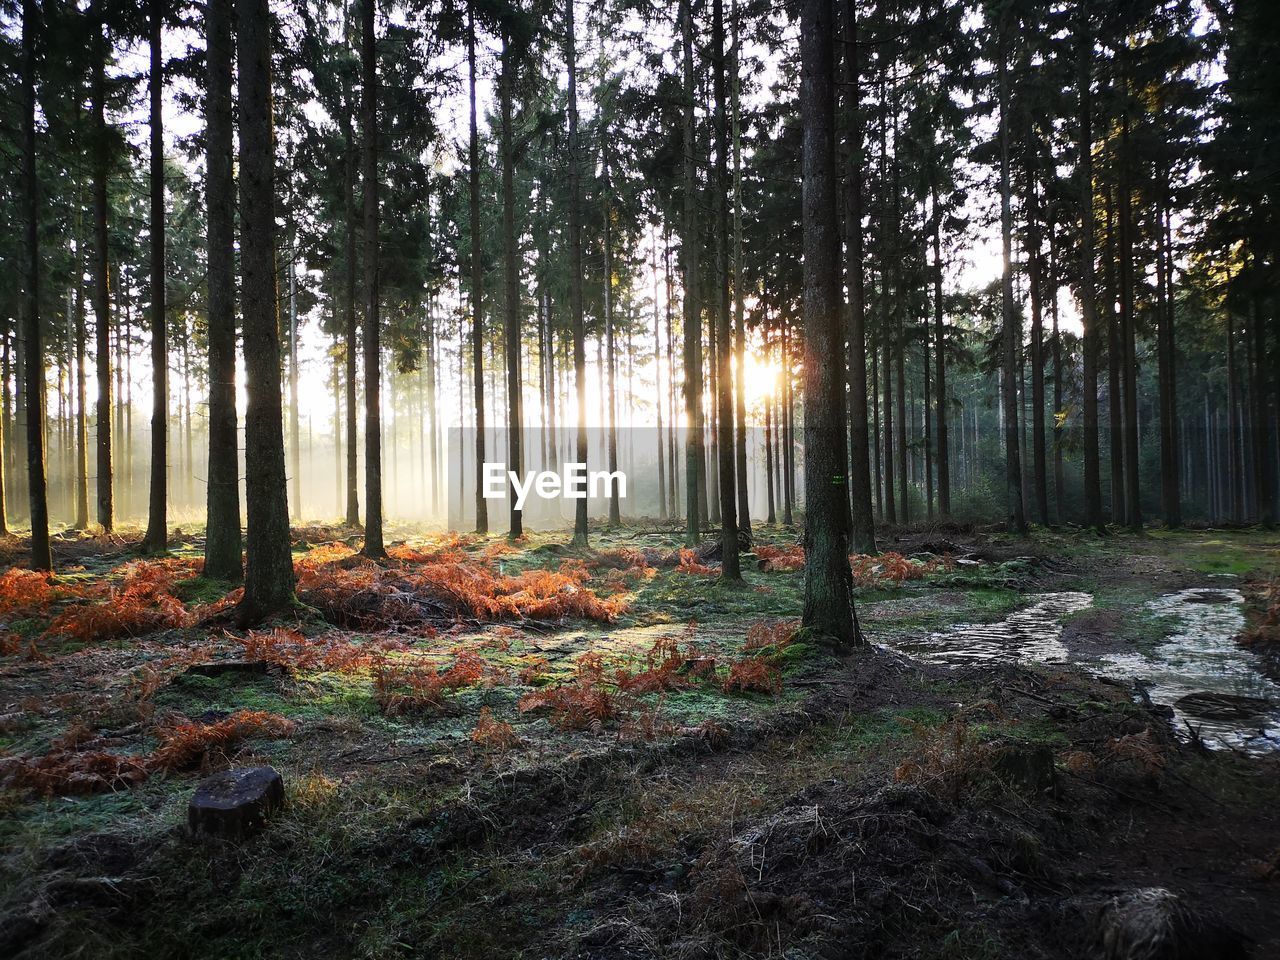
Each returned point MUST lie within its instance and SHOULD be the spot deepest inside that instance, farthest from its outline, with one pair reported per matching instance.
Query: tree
(1010, 326)
(156, 539)
(269, 580)
(862, 521)
(725, 447)
(739, 312)
(511, 269)
(828, 579)
(1087, 291)
(577, 324)
(373, 546)
(689, 265)
(101, 268)
(477, 275)
(222, 529)
(350, 327)
(37, 485)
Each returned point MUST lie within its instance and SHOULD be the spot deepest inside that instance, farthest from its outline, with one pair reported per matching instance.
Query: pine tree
(373, 546)
(222, 548)
(828, 579)
(37, 483)
(156, 539)
(269, 580)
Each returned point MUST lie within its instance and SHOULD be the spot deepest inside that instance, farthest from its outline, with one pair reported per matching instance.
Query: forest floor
(520, 751)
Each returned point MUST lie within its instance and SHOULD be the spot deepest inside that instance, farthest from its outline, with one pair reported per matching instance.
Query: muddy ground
(870, 805)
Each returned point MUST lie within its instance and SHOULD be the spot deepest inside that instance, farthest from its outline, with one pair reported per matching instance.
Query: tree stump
(235, 803)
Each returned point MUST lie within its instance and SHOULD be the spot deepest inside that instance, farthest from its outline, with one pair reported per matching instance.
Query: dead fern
(753, 675)
(493, 734)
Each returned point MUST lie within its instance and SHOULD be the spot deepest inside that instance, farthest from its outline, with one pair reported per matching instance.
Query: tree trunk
(33, 387)
(611, 352)
(222, 546)
(157, 537)
(295, 433)
(657, 384)
(1035, 281)
(373, 546)
(268, 583)
(101, 271)
(739, 316)
(862, 521)
(580, 532)
(477, 276)
(1009, 383)
(1128, 336)
(511, 282)
(725, 447)
(692, 314)
(1088, 293)
(828, 580)
(1059, 433)
(940, 363)
(1115, 358)
(1263, 477)
(5, 468)
(1235, 462)
(81, 425)
(351, 335)
(1170, 464)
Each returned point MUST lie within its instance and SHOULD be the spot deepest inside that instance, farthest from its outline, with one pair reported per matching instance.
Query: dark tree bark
(295, 433)
(940, 362)
(477, 276)
(611, 353)
(157, 536)
(862, 521)
(692, 314)
(1170, 461)
(828, 579)
(1035, 281)
(725, 447)
(81, 425)
(1259, 389)
(101, 270)
(33, 372)
(269, 582)
(1059, 432)
(1011, 335)
(373, 546)
(223, 543)
(1235, 460)
(577, 324)
(1128, 336)
(350, 328)
(511, 282)
(1115, 360)
(5, 444)
(739, 313)
(886, 319)
(657, 384)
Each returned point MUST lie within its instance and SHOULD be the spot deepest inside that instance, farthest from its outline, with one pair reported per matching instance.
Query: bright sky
(975, 264)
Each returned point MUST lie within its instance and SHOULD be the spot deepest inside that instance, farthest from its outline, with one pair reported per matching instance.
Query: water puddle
(1213, 685)
(1032, 634)
(1210, 684)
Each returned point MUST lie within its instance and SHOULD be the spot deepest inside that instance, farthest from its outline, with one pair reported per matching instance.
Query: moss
(198, 590)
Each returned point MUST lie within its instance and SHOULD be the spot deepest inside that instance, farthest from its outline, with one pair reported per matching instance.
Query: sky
(975, 259)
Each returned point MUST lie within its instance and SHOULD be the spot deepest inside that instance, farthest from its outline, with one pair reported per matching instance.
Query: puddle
(1212, 685)
(1032, 634)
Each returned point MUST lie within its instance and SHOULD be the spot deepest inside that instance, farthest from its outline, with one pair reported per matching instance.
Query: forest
(640, 478)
